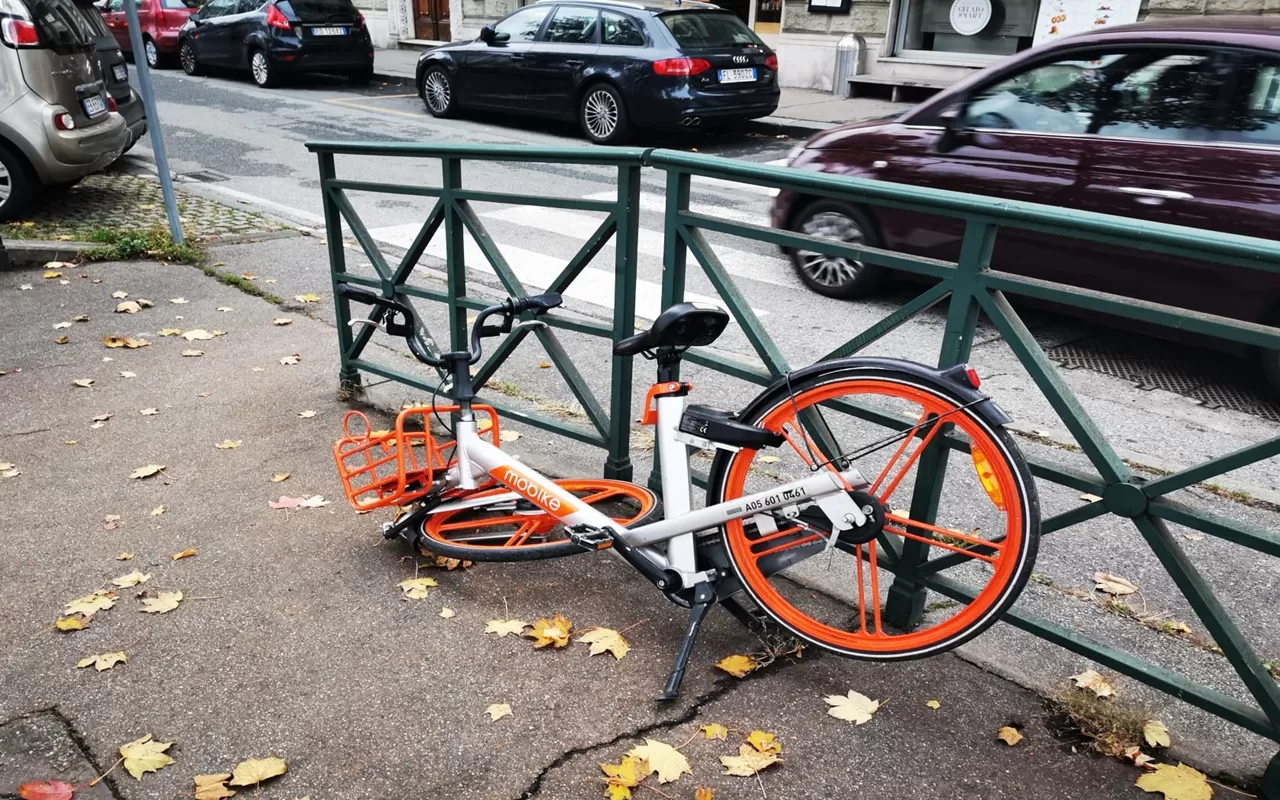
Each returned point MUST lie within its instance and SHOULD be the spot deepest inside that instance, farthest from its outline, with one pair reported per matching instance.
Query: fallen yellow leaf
(714, 730)
(747, 762)
(144, 755)
(199, 334)
(416, 588)
(509, 435)
(1113, 584)
(170, 331)
(76, 623)
(132, 579)
(497, 711)
(162, 603)
(281, 321)
(447, 613)
(157, 511)
(553, 631)
(146, 472)
(1091, 680)
(503, 627)
(228, 444)
(625, 775)
(280, 476)
(213, 787)
(1009, 736)
(91, 604)
(128, 307)
(289, 361)
(83, 383)
(934, 704)
(737, 665)
(124, 556)
(62, 340)
(765, 742)
(664, 760)
(309, 297)
(192, 353)
(253, 771)
(1177, 783)
(51, 274)
(700, 793)
(1156, 734)
(853, 707)
(188, 553)
(606, 640)
(102, 661)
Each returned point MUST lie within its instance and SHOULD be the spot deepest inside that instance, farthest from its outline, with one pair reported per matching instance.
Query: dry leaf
(1139, 758)
(91, 604)
(700, 793)
(83, 383)
(132, 579)
(26, 287)
(289, 361)
(179, 300)
(1008, 735)
(1113, 584)
(1156, 734)
(1193, 537)
(147, 471)
(144, 755)
(128, 307)
(934, 704)
(62, 340)
(736, 665)
(102, 661)
(308, 414)
(314, 501)
(124, 557)
(192, 353)
(76, 623)
(50, 275)
(148, 412)
(281, 321)
(714, 730)
(188, 553)
(509, 435)
(199, 334)
(768, 459)
(309, 297)
(1090, 679)
(447, 613)
(62, 326)
(229, 444)
(145, 303)
(170, 331)
(503, 627)
(853, 707)
(765, 742)
(747, 762)
(497, 711)
(1177, 783)
(1090, 498)
(416, 588)
(664, 760)
(119, 295)
(127, 374)
(280, 476)
(162, 603)
(157, 511)
(544, 364)
(111, 521)
(256, 770)
(606, 640)
(552, 631)
(213, 787)
(627, 774)
(42, 790)
(225, 308)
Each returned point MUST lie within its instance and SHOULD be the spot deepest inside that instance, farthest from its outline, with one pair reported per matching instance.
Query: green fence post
(455, 246)
(348, 376)
(674, 259)
(1271, 779)
(618, 463)
(904, 606)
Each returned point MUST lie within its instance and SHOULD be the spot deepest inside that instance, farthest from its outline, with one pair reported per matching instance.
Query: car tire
(361, 77)
(603, 115)
(436, 91)
(187, 55)
(155, 59)
(264, 72)
(841, 278)
(17, 185)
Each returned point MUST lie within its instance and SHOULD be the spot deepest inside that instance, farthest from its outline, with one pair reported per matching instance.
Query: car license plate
(121, 73)
(94, 105)
(737, 75)
(328, 31)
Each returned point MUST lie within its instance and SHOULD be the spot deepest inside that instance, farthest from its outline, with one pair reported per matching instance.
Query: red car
(1175, 121)
(160, 20)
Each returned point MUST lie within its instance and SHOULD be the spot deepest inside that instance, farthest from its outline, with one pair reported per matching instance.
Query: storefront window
(962, 28)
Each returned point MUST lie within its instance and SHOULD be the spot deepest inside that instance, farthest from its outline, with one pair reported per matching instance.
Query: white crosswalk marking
(656, 202)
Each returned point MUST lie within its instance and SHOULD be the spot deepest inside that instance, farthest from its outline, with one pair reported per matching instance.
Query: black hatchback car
(614, 66)
(272, 38)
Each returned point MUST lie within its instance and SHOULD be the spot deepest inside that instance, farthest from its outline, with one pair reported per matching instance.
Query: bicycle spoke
(910, 462)
(954, 534)
(522, 534)
(862, 603)
(786, 545)
(875, 587)
(938, 544)
(483, 521)
(896, 455)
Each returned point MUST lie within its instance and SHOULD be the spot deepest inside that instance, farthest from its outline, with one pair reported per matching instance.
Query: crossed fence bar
(968, 285)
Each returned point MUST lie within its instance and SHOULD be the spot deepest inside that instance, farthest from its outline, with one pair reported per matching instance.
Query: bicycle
(779, 540)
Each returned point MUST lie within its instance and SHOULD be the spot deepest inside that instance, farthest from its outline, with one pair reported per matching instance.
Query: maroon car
(1176, 121)
(159, 20)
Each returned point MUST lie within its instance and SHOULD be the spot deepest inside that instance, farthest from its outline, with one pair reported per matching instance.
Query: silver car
(57, 121)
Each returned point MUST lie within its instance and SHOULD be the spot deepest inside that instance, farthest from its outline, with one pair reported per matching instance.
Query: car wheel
(154, 59)
(187, 55)
(603, 115)
(437, 92)
(16, 185)
(264, 72)
(836, 276)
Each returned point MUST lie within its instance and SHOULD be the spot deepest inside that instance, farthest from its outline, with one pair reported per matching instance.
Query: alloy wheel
(260, 68)
(828, 270)
(437, 92)
(188, 57)
(153, 55)
(601, 114)
(6, 184)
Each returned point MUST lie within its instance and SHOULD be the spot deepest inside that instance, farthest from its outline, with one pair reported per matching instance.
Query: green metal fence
(968, 286)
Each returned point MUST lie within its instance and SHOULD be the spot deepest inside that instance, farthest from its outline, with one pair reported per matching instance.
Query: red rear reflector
(64, 122)
(681, 66)
(972, 375)
(111, 104)
(359, 20)
(771, 61)
(19, 32)
(277, 19)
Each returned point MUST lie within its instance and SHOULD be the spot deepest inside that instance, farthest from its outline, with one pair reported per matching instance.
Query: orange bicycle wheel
(834, 593)
(509, 528)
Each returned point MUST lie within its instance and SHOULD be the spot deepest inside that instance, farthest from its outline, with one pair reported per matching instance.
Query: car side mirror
(954, 132)
(486, 34)
(195, 18)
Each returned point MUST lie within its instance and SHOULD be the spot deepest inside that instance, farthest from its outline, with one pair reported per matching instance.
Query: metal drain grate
(206, 176)
(1215, 380)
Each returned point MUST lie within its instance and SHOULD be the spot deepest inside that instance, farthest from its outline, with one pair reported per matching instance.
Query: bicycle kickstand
(704, 595)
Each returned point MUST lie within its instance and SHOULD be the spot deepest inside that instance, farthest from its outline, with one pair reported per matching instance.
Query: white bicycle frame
(827, 488)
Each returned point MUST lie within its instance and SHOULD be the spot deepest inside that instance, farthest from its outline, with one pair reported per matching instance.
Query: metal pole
(153, 119)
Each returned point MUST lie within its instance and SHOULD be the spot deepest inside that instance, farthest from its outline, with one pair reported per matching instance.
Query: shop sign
(969, 17)
(1060, 18)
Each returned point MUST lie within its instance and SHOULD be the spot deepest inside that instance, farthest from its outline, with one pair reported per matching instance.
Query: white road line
(767, 191)
(650, 201)
(755, 266)
(537, 271)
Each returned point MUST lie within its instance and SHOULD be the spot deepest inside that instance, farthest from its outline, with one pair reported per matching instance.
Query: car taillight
(64, 121)
(111, 104)
(771, 61)
(681, 66)
(277, 19)
(19, 32)
(359, 20)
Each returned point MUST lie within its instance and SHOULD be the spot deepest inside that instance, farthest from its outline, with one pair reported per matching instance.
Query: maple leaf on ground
(124, 556)
(66, 624)
(229, 444)
(664, 760)
(157, 511)
(715, 730)
(1156, 734)
(281, 321)
(1009, 735)
(747, 762)
(213, 787)
(256, 770)
(289, 361)
(447, 613)
(703, 793)
(503, 627)
(309, 297)
(83, 383)
(102, 661)
(198, 334)
(144, 755)
(1177, 783)
(497, 711)
(162, 603)
(606, 640)
(853, 707)
(1139, 758)
(553, 631)
(119, 295)
(188, 553)
(280, 476)
(146, 472)
(128, 307)
(737, 665)
(765, 742)
(1091, 680)
(170, 331)
(1113, 584)
(91, 604)
(308, 414)
(46, 790)
(934, 704)
(148, 412)
(132, 579)
(622, 777)
(416, 588)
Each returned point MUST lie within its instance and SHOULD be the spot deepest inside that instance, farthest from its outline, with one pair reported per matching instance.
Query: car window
(60, 25)
(115, 5)
(620, 29)
(93, 20)
(1252, 114)
(217, 8)
(180, 4)
(572, 25)
(697, 30)
(320, 10)
(1150, 94)
(523, 25)
(247, 6)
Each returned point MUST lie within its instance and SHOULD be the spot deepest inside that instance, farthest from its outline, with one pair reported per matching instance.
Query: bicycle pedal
(590, 538)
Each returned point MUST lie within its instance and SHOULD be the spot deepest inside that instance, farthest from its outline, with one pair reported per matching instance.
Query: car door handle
(1154, 197)
(516, 57)
(574, 63)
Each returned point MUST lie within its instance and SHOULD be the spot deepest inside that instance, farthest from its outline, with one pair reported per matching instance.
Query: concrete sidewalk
(293, 639)
(801, 112)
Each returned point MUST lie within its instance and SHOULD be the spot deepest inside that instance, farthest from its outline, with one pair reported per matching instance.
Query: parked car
(278, 37)
(160, 21)
(614, 66)
(1175, 121)
(115, 73)
(57, 121)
